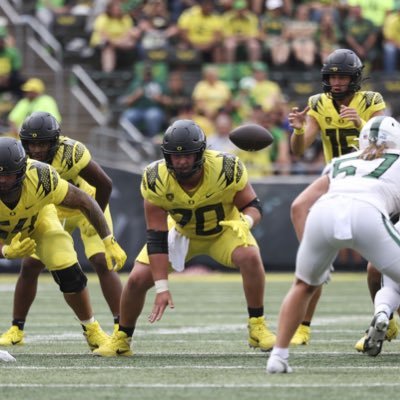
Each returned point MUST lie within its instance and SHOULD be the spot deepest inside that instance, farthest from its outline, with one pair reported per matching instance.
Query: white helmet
(380, 130)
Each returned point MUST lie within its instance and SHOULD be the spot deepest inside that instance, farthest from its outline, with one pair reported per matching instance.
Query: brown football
(251, 137)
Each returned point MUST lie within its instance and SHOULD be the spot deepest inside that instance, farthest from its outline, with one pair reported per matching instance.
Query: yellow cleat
(359, 346)
(116, 328)
(260, 337)
(119, 344)
(94, 335)
(12, 337)
(301, 336)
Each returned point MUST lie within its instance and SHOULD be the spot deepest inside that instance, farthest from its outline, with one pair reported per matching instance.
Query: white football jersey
(376, 181)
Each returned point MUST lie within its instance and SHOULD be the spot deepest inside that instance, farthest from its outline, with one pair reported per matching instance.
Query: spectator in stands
(46, 10)
(144, 102)
(219, 140)
(200, 28)
(176, 95)
(265, 92)
(188, 111)
(35, 99)
(374, 10)
(391, 41)
(240, 30)
(272, 25)
(10, 65)
(361, 35)
(301, 31)
(114, 37)
(210, 94)
(242, 102)
(156, 27)
(328, 35)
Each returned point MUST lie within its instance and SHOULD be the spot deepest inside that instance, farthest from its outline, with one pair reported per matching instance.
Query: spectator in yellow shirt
(35, 99)
(240, 27)
(210, 94)
(200, 28)
(391, 41)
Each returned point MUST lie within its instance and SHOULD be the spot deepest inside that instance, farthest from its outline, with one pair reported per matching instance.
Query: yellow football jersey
(197, 214)
(71, 157)
(340, 136)
(41, 187)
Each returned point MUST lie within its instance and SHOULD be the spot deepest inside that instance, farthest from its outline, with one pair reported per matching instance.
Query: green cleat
(119, 344)
(94, 335)
(301, 336)
(260, 337)
(12, 337)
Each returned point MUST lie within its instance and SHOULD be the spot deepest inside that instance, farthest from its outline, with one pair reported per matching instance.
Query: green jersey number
(387, 162)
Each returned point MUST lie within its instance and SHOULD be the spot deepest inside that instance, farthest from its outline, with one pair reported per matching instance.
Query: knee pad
(71, 279)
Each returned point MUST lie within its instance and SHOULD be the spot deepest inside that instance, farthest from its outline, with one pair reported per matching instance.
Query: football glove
(115, 255)
(240, 226)
(18, 249)
(88, 229)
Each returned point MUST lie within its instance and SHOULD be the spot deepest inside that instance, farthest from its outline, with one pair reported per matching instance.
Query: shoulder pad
(228, 169)
(314, 100)
(47, 178)
(152, 176)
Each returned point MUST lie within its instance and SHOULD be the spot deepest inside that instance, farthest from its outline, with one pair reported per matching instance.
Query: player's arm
(248, 203)
(96, 176)
(157, 249)
(303, 202)
(305, 130)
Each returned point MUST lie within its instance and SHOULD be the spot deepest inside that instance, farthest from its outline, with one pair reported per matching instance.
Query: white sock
(386, 300)
(88, 321)
(281, 352)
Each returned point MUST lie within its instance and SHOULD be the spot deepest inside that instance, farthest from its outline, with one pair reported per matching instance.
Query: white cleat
(376, 334)
(6, 356)
(278, 365)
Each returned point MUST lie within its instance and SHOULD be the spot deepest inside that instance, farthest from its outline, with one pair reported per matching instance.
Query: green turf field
(199, 350)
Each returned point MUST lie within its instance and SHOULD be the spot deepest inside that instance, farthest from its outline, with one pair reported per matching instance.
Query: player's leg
(24, 295)
(110, 281)
(54, 247)
(133, 297)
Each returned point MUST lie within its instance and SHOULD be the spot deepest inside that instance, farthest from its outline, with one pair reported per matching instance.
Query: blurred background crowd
(221, 63)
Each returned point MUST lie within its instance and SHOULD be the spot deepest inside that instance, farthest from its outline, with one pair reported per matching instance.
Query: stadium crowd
(238, 61)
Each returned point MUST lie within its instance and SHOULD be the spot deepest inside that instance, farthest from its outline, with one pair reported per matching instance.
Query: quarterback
(29, 191)
(211, 208)
(40, 136)
(338, 115)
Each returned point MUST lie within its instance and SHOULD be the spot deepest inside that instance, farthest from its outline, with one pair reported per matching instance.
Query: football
(251, 137)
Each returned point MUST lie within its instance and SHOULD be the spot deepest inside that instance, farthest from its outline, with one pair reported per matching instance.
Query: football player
(31, 229)
(361, 192)
(40, 136)
(211, 208)
(338, 115)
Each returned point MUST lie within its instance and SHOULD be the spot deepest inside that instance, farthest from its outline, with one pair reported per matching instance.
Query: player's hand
(350, 114)
(297, 118)
(240, 226)
(18, 249)
(161, 302)
(115, 255)
(88, 229)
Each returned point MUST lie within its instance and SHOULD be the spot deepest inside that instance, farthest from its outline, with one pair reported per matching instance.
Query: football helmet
(12, 161)
(41, 127)
(381, 130)
(184, 137)
(342, 62)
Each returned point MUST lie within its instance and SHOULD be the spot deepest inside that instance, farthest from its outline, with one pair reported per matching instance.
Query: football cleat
(6, 356)
(94, 335)
(259, 334)
(376, 334)
(278, 365)
(12, 337)
(301, 336)
(391, 333)
(119, 344)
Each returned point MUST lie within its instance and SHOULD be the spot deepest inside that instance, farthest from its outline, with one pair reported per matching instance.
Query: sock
(306, 323)
(128, 331)
(18, 322)
(116, 319)
(88, 321)
(255, 312)
(281, 352)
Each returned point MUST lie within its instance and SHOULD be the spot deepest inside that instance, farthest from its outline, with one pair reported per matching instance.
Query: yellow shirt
(201, 28)
(246, 25)
(212, 97)
(114, 28)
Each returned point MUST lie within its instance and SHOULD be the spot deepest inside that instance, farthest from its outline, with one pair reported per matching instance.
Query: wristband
(298, 131)
(249, 220)
(161, 285)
